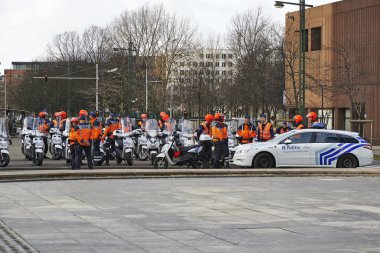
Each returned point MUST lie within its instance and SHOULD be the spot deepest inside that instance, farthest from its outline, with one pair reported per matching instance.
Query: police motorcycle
(24, 132)
(4, 142)
(124, 144)
(175, 154)
(34, 142)
(55, 140)
(65, 141)
(152, 131)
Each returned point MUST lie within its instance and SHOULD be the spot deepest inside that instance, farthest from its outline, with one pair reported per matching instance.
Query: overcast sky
(27, 26)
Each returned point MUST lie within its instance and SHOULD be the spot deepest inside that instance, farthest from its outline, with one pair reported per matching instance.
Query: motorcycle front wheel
(40, 159)
(143, 155)
(161, 163)
(57, 154)
(4, 161)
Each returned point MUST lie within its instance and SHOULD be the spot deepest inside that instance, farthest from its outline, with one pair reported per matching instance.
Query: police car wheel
(347, 161)
(263, 160)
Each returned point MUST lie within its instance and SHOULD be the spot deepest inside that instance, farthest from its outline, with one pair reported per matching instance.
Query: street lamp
(146, 88)
(302, 62)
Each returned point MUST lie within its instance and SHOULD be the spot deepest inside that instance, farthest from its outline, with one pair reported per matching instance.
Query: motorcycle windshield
(126, 125)
(31, 123)
(187, 127)
(151, 126)
(68, 125)
(4, 131)
(169, 126)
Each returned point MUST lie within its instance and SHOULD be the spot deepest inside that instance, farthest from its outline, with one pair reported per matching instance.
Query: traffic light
(45, 78)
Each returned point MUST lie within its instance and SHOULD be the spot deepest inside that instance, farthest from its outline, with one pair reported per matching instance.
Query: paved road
(192, 215)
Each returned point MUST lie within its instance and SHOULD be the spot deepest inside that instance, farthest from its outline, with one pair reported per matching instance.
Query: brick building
(341, 35)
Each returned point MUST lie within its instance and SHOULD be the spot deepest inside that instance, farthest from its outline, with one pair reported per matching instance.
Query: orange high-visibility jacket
(83, 134)
(96, 129)
(247, 132)
(265, 133)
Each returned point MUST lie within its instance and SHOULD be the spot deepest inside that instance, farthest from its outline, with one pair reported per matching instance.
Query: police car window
(299, 138)
(347, 139)
(326, 138)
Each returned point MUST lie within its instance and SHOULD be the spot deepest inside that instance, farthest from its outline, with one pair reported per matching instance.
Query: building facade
(342, 65)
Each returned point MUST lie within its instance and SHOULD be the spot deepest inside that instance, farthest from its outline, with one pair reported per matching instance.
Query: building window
(217, 72)
(201, 56)
(182, 64)
(223, 64)
(201, 64)
(216, 64)
(230, 64)
(224, 72)
(217, 56)
(224, 56)
(195, 64)
(181, 72)
(316, 39)
(230, 56)
(209, 56)
(230, 73)
(208, 64)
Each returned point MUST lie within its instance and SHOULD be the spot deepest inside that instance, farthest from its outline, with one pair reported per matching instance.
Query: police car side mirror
(287, 142)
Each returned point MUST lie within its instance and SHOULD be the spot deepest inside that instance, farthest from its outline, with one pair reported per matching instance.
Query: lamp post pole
(146, 89)
(302, 62)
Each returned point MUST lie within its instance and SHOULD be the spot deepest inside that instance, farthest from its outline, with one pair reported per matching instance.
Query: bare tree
(66, 47)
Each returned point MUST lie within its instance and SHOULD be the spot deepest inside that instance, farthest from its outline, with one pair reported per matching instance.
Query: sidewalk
(26, 175)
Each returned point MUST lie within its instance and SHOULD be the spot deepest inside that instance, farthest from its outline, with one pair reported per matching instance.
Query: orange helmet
(63, 115)
(217, 116)
(74, 120)
(57, 114)
(165, 117)
(312, 116)
(144, 116)
(298, 119)
(83, 113)
(209, 118)
(162, 114)
(42, 114)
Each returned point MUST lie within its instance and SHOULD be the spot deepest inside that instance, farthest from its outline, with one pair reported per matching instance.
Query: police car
(307, 148)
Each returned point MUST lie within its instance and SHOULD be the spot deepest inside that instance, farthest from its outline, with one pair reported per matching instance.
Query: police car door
(326, 148)
(295, 150)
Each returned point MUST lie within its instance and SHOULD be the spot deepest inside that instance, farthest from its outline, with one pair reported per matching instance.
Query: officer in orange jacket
(226, 150)
(218, 136)
(96, 133)
(57, 119)
(265, 130)
(161, 121)
(111, 125)
(44, 126)
(246, 131)
(298, 122)
(83, 142)
(312, 119)
(72, 140)
(62, 123)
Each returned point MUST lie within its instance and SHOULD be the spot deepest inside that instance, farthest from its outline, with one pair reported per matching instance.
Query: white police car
(307, 148)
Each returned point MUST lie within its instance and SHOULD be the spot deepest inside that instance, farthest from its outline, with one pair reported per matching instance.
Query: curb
(40, 175)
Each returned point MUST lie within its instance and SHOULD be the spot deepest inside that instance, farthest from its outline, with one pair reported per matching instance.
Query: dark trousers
(226, 151)
(46, 145)
(78, 156)
(72, 155)
(110, 147)
(218, 153)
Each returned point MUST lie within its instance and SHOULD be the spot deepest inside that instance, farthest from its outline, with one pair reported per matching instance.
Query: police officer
(298, 122)
(141, 124)
(96, 137)
(161, 121)
(284, 128)
(62, 123)
(217, 138)
(246, 131)
(111, 125)
(56, 121)
(205, 128)
(72, 140)
(44, 127)
(265, 130)
(226, 150)
(83, 142)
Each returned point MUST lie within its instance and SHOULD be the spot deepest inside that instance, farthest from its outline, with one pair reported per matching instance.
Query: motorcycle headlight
(39, 143)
